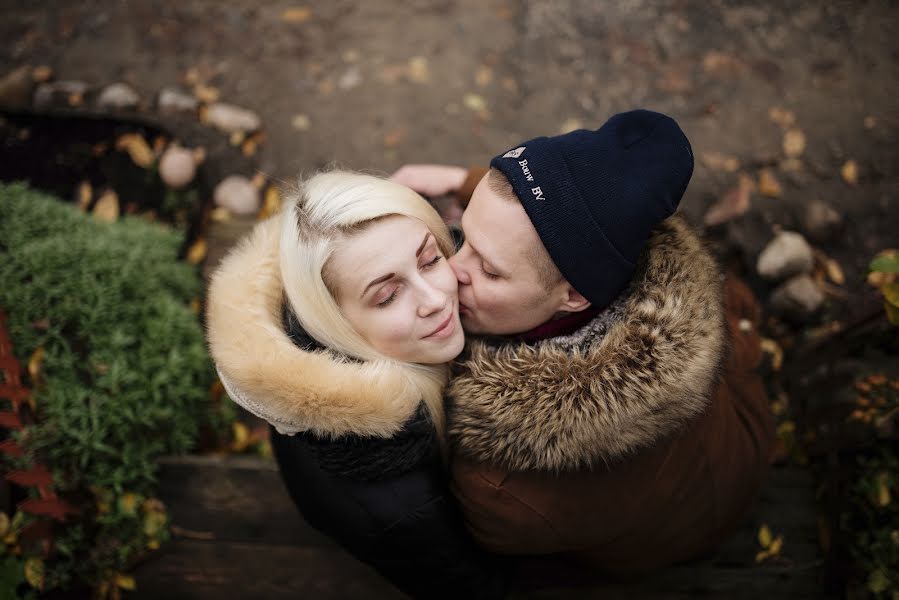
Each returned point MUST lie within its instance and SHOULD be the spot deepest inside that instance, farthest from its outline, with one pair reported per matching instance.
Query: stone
(60, 93)
(797, 298)
(16, 88)
(232, 119)
(821, 222)
(177, 167)
(786, 255)
(173, 100)
(238, 195)
(118, 96)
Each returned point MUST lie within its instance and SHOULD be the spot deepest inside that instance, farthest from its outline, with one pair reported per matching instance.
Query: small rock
(786, 255)
(821, 222)
(238, 195)
(173, 100)
(118, 96)
(231, 119)
(798, 298)
(16, 88)
(60, 93)
(177, 167)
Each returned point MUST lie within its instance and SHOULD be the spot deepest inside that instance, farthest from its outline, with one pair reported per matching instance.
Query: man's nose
(458, 267)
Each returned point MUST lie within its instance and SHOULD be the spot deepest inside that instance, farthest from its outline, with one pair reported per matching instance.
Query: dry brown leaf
(720, 162)
(107, 207)
(249, 147)
(418, 69)
(781, 116)
(483, 76)
(206, 93)
(271, 203)
(197, 251)
(849, 172)
(771, 347)
(834, 271)
(159, 144)
(768, 184)
(794, 143)
(296, 15)
(85, 195)
(719, 62)
(42, 74)
(220, 214)
(35, 362)
(734, 203)
(137, 148)
(237, 138)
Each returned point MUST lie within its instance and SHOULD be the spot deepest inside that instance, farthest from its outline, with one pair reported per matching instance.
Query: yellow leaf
(271, 203)
(794, 143)
(85, 195)
(761, 556)
(765, 536)
(153, 524)
(197, 252)
(300, 122)
(834, 271)
(296, 14)
(776, 545)
(720, 162)
(241, 437)
(34, 573)
(418, 69)
(126, 582)
(220, 214)
(883, 490)
(892, 313)
(849, 172)
(107, 207)
(153, 544)
(474, 103)
(128, 503)
(782, 117)
(771, 347)
(35, 362)
(10, 538)
(206, 93)
(768, 184)
(891, 293)
(4, 524)
(137, 148)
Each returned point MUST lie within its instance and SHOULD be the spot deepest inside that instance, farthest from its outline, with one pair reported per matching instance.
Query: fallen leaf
(326, 86)
(771, 347)
(271, 203)
(734, 203)
(85, 195)
(237, 138)
(35, 362)
(760, 556)
(781, 116)
(393, 137)
(4, 524)
(883, 489)
(296, 15)
(159, 144)
(199, 155)
(765, 536)
(128, 503)
(776, 546)
(197, 252)
(768, 184)
(137, 148)
(241, 437)
(206, 93)
(126, 582)
(107, 207)
(259, 180)
(220, 214)
(418, 69)
(834, 271)
(300, 122)
(849, 172)
(719, 62)
(483, 76)
(474, 103)
(42, 74)
(249, 147)
(34, 573)
(794, 143)
(720, 162)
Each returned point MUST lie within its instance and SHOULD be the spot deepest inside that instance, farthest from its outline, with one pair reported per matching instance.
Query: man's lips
(444, 329)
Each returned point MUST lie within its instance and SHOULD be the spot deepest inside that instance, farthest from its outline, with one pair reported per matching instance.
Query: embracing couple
(603, 415)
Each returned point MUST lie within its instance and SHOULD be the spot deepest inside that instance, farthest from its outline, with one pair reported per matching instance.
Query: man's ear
(573, 301)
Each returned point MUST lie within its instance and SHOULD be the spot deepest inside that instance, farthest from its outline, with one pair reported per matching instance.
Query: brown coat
(633, 446)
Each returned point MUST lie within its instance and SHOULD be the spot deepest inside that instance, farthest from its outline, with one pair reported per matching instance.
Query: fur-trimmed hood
(292, 388)
(553, 407)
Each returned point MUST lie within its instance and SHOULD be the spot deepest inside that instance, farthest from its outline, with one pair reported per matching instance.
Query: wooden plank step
(239, 535)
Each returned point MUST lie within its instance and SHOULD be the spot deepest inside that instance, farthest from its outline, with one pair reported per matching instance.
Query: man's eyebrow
(380, 279)
(423, 242)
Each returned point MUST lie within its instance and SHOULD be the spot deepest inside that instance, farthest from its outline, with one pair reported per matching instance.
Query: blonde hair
(324, 210)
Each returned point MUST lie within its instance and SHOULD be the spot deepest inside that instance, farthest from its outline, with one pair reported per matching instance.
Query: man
(606, 410)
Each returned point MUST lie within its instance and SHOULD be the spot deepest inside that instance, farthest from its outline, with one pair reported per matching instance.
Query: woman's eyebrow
(380, 279)
(423, 242)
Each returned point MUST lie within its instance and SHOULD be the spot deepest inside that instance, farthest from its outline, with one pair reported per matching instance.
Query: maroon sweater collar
(562, 326)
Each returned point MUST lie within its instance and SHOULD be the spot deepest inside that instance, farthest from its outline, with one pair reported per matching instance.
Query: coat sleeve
(405, 524)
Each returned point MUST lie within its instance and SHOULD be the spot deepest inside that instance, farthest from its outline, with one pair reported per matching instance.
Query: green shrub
(125, 373)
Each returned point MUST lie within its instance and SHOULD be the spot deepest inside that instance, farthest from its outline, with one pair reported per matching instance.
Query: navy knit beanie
(595, 196)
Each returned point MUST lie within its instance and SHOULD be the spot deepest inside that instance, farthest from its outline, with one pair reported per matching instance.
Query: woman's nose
(433, 300)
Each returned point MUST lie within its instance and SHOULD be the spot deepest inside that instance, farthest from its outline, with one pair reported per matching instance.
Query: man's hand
(431, 180)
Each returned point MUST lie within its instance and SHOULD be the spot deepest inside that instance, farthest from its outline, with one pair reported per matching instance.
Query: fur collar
(555, 407)
(292, 388)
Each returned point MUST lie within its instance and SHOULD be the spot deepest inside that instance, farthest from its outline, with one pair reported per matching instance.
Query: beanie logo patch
(514, 153)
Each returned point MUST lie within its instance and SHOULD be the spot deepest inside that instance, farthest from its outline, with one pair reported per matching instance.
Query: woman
(333, 321)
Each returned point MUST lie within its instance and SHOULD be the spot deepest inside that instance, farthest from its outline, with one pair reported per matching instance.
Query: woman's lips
(445, 329)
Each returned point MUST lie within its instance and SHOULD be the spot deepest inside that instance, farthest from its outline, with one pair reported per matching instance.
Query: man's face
(500, 289)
